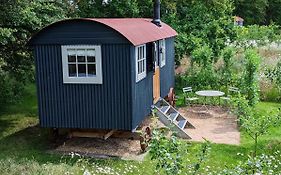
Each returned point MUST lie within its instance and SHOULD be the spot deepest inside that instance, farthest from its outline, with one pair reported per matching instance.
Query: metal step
(173, 116)
(182, 123)
(169, 115)
(165, 109)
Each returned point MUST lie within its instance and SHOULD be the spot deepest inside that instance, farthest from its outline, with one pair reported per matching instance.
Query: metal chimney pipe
(156, 18)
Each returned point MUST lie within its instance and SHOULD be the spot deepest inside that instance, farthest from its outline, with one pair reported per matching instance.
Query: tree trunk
(256, 145)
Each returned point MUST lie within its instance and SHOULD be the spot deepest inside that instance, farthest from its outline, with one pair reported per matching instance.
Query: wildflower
(86, 172)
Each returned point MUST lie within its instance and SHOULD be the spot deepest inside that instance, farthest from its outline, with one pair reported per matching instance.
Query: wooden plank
(106, 136)
(87, 134)
(127, 135)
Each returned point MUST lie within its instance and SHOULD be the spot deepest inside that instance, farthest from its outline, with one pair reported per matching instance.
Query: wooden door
(156, 84)
(156, 76)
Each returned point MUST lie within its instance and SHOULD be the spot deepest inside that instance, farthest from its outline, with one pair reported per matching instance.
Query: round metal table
(208, 93)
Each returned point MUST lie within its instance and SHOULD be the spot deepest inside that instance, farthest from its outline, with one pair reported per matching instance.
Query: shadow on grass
(27, 105)
(30, 143)
(5, 124)
(34, 143)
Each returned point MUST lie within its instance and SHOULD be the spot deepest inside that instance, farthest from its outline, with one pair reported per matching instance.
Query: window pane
(139, 67)
(81, 70)
(72, 70)
(142, 65)
(138, 54)
(81, 59)
(71, 54)
(91, 52)
(92, 70)
(91, 59)
(81, 52)
(81, 55)
(71, 58)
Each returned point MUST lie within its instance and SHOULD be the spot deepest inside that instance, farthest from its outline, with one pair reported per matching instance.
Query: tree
(19, 19)
(253, 12)
(251, 83)
(257, 125)
(227, 69)
(274, 12)
(254, 123)
(202, 23)
(110, 8)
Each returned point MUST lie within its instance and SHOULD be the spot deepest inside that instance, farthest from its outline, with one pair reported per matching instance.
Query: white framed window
(162, 47)
(82, 64)
(140, 62)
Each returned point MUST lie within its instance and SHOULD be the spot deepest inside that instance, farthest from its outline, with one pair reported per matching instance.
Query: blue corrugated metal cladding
(142, 97)
(118, 103)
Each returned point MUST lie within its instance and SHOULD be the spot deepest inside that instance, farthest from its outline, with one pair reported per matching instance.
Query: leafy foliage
(202, 156)
(112, 8)
(19, 20)
(274, 12)
(274, 75)
(5, 89)
(227, 69)
(166, 153)
(254, 123)
(256, 36)
(241, 108)
(258, 12)
(257, 125)
(213, 27)
(253, 12)
(263, 164)
(250, 78)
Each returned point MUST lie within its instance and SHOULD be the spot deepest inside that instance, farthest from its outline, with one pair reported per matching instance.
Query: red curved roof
(137, 30)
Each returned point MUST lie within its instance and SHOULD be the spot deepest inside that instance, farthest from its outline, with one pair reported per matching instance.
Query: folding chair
(188, 98)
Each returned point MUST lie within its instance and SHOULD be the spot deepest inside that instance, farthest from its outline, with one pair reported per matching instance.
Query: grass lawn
(24, 146)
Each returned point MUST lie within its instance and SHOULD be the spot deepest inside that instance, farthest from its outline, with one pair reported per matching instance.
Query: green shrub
(227, 74)
(167, 153)
(202, 74)
(250, 77)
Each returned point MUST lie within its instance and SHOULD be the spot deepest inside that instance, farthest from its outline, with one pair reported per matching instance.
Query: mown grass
(24, 146)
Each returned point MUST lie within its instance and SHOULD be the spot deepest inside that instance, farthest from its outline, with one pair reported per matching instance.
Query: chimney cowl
(156, 13)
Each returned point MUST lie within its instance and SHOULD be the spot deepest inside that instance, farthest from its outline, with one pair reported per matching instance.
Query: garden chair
(187, 91)
(231, 91)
